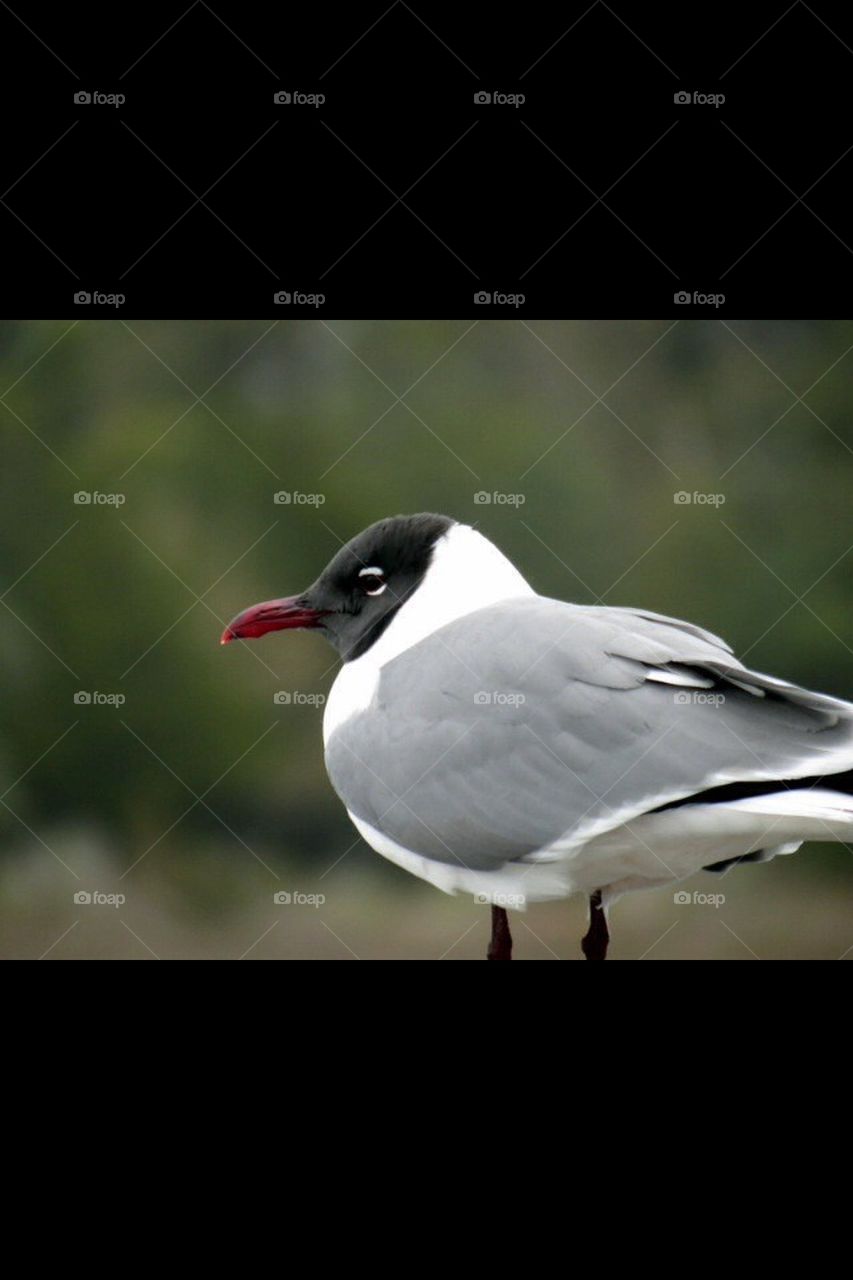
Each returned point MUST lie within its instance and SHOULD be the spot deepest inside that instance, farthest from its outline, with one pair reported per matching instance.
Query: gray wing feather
(535, 721)
(637, 617)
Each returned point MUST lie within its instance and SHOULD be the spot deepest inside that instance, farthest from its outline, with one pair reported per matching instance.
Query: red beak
(272, 615)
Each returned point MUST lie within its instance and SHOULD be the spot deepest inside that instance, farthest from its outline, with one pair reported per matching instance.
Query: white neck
(467, 572)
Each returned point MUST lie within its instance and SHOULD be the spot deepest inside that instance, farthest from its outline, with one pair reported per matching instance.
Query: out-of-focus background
(702, 468)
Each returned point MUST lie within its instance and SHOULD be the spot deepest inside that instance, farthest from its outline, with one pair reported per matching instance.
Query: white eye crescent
(376, 577)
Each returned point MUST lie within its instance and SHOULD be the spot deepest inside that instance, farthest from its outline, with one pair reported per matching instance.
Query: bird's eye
(372, 581)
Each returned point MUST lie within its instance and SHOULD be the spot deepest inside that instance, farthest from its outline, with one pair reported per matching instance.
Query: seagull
(500, 743)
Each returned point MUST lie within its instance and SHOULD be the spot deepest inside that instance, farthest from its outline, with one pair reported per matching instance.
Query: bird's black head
(359, 591)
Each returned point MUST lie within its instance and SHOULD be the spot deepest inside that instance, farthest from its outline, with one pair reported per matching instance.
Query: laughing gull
(500, 743)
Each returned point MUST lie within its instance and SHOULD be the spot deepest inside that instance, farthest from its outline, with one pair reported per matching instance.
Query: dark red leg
(594, 944)
(500, 947)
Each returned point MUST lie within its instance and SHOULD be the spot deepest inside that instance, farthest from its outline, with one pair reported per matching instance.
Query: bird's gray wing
(533, 721)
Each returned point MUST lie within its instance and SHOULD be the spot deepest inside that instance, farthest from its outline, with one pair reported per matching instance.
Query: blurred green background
(200, 796)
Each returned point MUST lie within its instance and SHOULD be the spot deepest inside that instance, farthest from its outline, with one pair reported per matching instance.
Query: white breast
(467, 572)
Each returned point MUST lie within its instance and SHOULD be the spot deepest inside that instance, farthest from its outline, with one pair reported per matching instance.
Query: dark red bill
(272, 615)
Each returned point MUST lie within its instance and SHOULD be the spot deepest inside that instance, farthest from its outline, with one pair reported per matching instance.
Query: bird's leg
(594, 944)
(500, 947)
